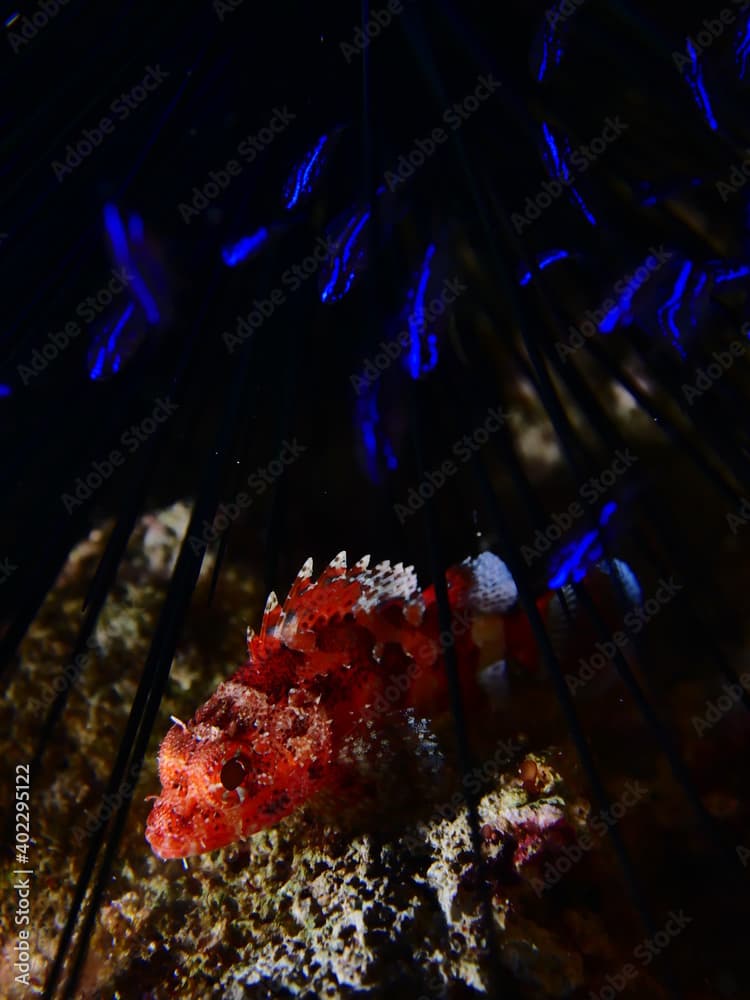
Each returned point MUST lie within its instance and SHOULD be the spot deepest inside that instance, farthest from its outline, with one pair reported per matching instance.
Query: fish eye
(234, 771)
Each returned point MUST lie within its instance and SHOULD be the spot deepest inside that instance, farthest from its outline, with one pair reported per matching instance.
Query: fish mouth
(170, 834)
(173, 835)
(176, 829)
(164, 844)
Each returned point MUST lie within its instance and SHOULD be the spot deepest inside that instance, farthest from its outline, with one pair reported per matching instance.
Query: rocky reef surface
(382, 898)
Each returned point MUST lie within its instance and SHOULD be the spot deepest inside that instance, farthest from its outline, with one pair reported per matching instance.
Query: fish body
(145, 305)
(693, 75)
(428, 310)
(375, 449)
(548, 47)
(307, 171)
(348, 238)
(557, 157)
(742, 47)
(245, 248)
(543, 261)
(115, 339)
(330, 666)
(349, 254)
(674, 303)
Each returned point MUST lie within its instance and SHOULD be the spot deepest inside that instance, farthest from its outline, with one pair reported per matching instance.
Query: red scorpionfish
(341, 655)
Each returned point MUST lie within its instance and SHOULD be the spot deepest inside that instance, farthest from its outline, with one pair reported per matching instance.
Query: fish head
(245, 760)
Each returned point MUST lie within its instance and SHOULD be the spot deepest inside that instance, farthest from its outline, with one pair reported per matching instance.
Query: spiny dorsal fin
(271, 616)
(302, 581)
(335, 568)
(272, 602)
(386, 583)
(311, 605)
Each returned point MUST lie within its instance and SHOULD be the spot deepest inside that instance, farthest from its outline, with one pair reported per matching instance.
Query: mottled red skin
(293, 712)
(321, 675)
